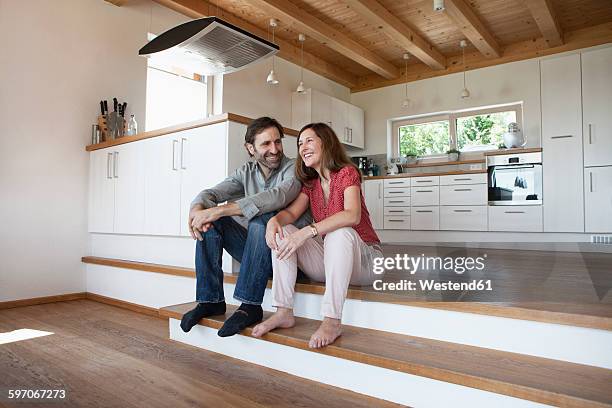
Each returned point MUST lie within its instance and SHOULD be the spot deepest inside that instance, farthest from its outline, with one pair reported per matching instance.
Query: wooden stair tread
(533, 378)
(591, 316)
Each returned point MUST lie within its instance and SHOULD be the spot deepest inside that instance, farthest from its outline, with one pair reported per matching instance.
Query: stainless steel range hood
(209, 46)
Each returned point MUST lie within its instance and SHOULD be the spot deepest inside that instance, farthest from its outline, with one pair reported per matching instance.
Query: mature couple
(277, 195)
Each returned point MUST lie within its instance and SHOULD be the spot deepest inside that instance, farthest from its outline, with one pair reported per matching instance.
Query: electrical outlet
(475, 166)
(601, 239)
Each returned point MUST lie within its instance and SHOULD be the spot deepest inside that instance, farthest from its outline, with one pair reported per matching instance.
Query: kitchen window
(174, 94)
(467, 131)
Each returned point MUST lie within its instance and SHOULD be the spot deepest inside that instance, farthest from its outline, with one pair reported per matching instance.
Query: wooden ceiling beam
(399, 32)
(288, 51)
(470, 25)
(287, 12)
(544, 16)
(574, 40)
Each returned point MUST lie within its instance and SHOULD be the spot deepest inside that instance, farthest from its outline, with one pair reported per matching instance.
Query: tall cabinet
(597, 139)
(562, 144)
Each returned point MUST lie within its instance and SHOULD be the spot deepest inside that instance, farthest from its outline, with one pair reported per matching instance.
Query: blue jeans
(248, 246)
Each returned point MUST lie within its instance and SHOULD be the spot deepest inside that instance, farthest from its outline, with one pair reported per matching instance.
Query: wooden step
(526, 377)
(590, 315)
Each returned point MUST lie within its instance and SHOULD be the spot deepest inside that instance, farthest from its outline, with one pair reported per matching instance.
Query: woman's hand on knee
(292, 242)
(272, 228)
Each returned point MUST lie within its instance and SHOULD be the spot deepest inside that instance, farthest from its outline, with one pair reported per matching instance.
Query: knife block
(105, 135)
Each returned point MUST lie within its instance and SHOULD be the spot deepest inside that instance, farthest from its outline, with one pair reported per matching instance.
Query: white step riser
(555, 341)
(365, 379)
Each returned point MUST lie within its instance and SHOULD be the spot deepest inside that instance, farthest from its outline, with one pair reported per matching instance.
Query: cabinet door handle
(394, 192)
(591, 180)
(379, 191)
(183, 161)
(514, 212)
(109, 158)
(396, 201)
(561, 136)
(423, 181)
(395, 220)
(116, 164)
(590, 133)
(462, 211)
(395, 182)
(174, 143)
(351, 133)
(462, 179)
(396, 211)
(463, 189)
(424, 211)
(424, 191)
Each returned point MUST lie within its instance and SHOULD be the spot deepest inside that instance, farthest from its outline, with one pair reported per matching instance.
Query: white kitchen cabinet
(397, 182)
(472, 194)
(425, 218)
(397, 202)
(397, 192)
(163, 185)
(516, 218)
(425, 196)
(463, 218)
(129, 176)
(101, 191)
(373, 195)
(562, 167)
(345, 119)
(396, 222)
(202, 164)
(597, 106)
(461, 179)
(598, 199)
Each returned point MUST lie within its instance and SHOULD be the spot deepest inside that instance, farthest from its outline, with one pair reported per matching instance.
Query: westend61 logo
(412, 264)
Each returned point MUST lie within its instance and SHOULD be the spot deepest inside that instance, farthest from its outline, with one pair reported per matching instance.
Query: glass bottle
(132, 126)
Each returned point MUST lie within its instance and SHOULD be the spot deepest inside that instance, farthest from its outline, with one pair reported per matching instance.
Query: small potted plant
(411, 157)
(453, 155)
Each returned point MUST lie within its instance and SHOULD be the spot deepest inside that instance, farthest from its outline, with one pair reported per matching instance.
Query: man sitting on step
(261, 186)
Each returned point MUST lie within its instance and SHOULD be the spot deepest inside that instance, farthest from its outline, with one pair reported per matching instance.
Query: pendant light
(406, 101)
(465, 93)
(272, 80)
(301, 89)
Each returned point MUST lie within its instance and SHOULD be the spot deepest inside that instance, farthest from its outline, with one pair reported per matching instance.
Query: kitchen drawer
(515, 218)
(463, 218)
(425, 181)
(397, 222)
(397, 202)
(397, 192)
(426, 195)
(451, 180)
(474, 194)
(425, 218)
(397, 211)
(397, 182)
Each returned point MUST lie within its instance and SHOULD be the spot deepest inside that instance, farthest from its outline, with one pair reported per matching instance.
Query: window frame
(452, 117)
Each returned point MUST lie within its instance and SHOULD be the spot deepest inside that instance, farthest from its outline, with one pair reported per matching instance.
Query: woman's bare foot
(326, 334)
(283, 318)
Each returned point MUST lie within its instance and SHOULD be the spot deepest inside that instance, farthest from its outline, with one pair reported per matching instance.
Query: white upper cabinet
(202, 153)
(372, 192)
(345, 119)
(562, 166)
(597, 106)
(598, 199)
(101, 191)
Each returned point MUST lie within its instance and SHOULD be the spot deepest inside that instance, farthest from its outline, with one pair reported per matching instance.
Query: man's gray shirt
(254, 194)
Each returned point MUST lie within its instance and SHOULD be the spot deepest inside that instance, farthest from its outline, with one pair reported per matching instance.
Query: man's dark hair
(259, 125)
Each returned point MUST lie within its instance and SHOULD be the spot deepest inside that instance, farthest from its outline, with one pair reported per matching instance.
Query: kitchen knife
(102, 107)
(115, 103)
(120, 110)
(106, 107)
(124, 108)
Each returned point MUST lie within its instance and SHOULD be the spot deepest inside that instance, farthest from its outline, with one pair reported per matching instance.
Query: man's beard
(272, 165)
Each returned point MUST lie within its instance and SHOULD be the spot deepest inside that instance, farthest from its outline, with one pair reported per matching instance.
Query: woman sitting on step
(338, 249)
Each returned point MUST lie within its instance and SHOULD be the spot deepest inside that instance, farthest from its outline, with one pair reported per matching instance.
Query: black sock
(245, 316)
(192, 317)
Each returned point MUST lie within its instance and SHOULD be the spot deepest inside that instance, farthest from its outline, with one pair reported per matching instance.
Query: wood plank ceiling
(360, 43)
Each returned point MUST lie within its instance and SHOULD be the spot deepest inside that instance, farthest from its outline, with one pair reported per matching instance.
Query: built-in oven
(515, 179)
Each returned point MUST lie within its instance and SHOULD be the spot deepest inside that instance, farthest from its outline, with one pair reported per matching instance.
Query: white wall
(247, 93)
(58, 59)
(513, 82)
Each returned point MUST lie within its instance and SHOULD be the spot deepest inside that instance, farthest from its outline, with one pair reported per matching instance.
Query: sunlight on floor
(21, 334)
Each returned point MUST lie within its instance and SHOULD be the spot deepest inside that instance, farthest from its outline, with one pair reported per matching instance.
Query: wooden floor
(104, 356)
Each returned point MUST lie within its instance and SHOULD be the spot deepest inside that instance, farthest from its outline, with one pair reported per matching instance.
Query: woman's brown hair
(333, 155)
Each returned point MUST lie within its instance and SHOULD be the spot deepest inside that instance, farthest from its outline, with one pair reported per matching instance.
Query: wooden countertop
(514, 151)
(177, 128)
(439, 173)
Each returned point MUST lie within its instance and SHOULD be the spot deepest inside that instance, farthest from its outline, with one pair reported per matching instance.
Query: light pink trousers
(341, 258)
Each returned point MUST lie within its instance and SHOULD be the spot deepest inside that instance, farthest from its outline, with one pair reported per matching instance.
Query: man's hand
(273, 227)
(195, 232)
(201, 220)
